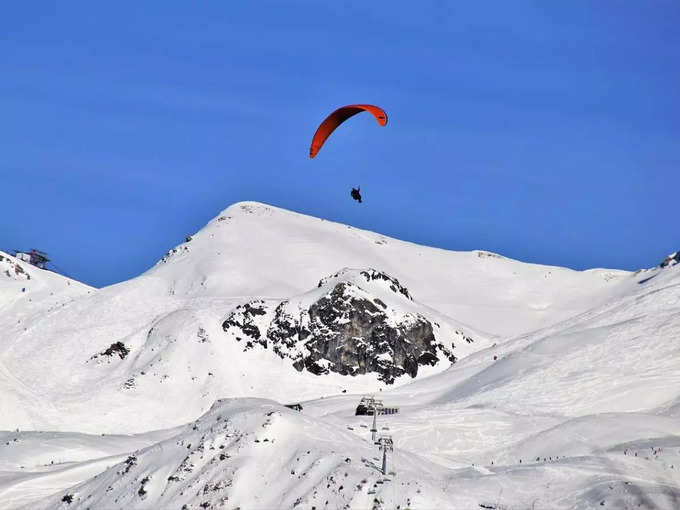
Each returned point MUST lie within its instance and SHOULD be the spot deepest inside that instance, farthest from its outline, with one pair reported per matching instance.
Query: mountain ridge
(168, 321)
(570, 402)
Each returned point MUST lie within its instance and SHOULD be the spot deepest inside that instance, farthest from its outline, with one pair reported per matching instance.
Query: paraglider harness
(355, 194)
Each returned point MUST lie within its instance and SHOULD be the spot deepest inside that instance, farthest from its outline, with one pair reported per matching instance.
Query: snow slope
(579, 409)
(587, 408)
(253, 249)
(256, 454)
(57, 377)
(26, 290)
(28, 295)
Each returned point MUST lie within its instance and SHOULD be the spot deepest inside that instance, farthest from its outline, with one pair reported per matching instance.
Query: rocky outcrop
(116, 348)
(671, 260)
(344, 327)
(370, 275)
(11, 268)
(244, 320)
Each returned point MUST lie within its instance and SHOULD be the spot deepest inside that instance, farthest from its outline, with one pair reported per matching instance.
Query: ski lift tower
(385, 443)
(374, 428)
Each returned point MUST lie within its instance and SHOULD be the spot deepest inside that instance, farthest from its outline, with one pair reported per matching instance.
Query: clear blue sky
(545, 131)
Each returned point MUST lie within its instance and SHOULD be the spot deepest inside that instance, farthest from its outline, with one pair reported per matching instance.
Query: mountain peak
(253, 250)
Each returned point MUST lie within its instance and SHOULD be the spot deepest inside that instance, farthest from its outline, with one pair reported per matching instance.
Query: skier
(356, 195)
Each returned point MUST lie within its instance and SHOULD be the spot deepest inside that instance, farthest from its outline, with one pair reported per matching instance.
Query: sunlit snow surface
(584, 390)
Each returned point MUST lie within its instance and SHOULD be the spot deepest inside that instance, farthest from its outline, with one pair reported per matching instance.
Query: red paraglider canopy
(338, 117)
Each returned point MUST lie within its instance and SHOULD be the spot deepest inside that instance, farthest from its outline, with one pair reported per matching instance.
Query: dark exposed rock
(463, 336)
(142, 490)
(671, 260)
(347, 331)
(370, 275)
(130, 462)
(118, 348)
(179, 249)
(242, 319)
(354, 335)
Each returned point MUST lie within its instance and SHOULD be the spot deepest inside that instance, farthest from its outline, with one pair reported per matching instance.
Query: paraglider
(336, 118)
(339, 116)
(355, 193)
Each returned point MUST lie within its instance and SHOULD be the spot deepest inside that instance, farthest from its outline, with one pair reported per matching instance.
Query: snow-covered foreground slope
(256, 454)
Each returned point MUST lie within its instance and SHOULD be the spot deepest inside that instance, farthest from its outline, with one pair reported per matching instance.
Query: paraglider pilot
(355, 194)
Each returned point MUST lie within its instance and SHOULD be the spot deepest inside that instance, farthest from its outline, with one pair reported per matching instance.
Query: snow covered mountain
(155, 345)
(253, 249)
(354, 322)
(565, 392)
